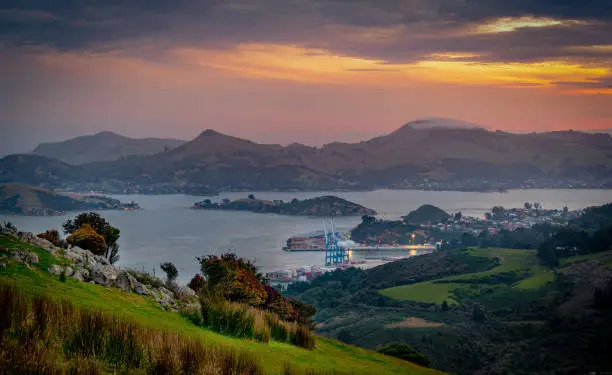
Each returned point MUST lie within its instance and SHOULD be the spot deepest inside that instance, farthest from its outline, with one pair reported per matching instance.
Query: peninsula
(21, 199)
(319, 206)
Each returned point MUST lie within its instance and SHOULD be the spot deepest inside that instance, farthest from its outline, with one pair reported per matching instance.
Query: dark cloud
(428, 26)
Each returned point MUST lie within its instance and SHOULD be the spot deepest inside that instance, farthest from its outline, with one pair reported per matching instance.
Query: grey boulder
(54, 269)
(142, 290)
(126, 282)
(80, 274)
(104, 274)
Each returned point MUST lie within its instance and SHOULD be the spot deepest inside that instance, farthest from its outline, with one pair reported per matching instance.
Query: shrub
(197, 283)
(86, 238)
(146, 278)
(303, 338)
(246, 288)
(62, 276)
(279, 305)
(406, 353)
(170, 270)
(52, 236)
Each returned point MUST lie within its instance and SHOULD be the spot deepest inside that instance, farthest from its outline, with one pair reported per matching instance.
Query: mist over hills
(420, 154)
(104, 146)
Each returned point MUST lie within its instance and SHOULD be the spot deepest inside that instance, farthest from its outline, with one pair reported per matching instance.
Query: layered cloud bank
(280, 69)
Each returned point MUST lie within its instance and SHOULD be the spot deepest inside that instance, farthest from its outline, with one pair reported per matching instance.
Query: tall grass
(244, 321)
(39, 335)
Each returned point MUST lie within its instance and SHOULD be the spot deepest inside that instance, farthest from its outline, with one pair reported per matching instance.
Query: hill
(37, 170)
(319, 206)
(116, 316)
(426, 214)
(28, 200)
(105, 146)
(475, 311)
(427, 157)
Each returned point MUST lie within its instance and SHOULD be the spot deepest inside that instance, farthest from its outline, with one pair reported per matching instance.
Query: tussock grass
(45, 336)
(242, 321)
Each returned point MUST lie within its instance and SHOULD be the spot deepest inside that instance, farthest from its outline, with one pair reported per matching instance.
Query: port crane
(334, 254)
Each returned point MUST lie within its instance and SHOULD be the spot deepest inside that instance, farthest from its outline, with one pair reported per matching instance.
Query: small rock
(32, 258)
(142, 289)
(69, 271)
(165, 298)
(165, 291)
(54, 269)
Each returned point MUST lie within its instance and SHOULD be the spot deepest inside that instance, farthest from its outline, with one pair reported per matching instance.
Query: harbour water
(166, 230)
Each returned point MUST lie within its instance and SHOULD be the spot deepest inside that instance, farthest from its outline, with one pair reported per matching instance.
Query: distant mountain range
(600, 131)
(417, 155)
(105, 146)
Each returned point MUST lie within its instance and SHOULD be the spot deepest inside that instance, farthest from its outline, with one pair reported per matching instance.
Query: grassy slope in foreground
(511, 260)
(329, 355)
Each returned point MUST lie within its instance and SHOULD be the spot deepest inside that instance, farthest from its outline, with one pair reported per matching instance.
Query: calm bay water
(166, 230)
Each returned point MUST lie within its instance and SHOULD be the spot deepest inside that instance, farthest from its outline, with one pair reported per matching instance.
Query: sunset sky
(311, 71)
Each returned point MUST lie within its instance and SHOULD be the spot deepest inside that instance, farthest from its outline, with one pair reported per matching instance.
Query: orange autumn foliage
(87, 238)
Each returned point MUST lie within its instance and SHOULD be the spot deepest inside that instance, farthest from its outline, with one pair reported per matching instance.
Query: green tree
(102, 227)
(170, 270)
(444, 306)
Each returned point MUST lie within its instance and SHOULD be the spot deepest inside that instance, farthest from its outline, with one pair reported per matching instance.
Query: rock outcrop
(85, 266)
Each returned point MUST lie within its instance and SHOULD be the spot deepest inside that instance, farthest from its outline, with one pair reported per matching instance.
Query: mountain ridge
(435, 157)
(103, 146)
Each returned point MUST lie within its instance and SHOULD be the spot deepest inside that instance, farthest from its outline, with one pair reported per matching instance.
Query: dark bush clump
(197, 283)
(406, 353)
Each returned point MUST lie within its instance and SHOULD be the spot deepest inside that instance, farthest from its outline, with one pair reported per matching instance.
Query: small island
(319, 206)
(22, 199)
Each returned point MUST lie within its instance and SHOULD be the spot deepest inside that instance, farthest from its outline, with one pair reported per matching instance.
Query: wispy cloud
(509, 24)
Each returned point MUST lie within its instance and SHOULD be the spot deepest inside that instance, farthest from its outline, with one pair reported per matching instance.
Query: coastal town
(422, 231)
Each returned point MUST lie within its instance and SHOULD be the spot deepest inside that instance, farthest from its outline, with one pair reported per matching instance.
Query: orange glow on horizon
(319, 66)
